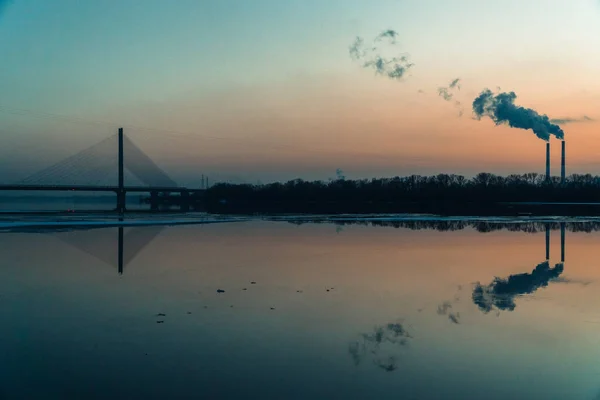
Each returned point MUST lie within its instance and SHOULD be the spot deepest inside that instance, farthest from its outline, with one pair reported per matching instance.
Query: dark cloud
(387, 34)
(371, 57)
(501, 293)
(501, 109)
(357, 50)
(447, 93)
(567, 120)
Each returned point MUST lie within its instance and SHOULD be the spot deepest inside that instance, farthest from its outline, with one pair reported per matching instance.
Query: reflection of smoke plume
(567, 120)
(372, 57)
(501, 293)
(447, 93)
(501, 109)
(374, 344)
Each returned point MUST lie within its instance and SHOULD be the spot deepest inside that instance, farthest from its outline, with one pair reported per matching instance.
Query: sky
(266, 90)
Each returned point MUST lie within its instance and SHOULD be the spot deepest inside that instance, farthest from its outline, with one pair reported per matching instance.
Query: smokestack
(562, 164)
(562, 241)
(548, 161)
(547, 241)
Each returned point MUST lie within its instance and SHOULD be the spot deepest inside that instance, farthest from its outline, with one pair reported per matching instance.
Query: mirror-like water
(275, 310)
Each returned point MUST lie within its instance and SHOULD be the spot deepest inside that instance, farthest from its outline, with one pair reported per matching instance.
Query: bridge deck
(80, 188)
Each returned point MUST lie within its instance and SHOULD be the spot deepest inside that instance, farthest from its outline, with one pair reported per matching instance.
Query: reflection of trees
(381, 346)
(445, 225)
(501, 293)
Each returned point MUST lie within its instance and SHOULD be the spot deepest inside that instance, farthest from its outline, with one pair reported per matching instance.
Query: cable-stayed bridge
(86, 170)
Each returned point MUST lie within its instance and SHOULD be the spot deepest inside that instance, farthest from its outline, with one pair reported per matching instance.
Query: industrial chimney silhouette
(547, 161)
(562, 163)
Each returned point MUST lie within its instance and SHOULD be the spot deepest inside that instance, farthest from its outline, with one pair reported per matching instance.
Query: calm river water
(278, 310)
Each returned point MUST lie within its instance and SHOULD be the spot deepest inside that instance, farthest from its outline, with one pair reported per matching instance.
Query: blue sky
(166, 65)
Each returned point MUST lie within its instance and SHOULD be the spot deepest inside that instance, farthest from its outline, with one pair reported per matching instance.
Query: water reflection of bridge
(130, 242)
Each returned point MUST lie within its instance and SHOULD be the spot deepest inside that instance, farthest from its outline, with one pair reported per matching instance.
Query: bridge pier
(185, 201)
(121, 201)
(154, 201)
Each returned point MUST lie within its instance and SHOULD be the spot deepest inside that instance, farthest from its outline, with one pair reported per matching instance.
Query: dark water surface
(336, 312)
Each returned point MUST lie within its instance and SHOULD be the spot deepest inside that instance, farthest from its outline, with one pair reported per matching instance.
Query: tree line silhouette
(439, 193)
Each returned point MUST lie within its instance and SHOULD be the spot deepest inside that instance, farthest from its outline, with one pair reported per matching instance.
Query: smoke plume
(447, 93)
(501, 108)
(371, 57)
(568, 120)
(501, 293)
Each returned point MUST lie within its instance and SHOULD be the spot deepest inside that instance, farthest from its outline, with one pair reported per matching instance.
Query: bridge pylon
(121, 200)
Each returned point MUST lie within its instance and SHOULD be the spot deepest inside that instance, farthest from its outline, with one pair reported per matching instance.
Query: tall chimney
(562, 163)
(548, 161)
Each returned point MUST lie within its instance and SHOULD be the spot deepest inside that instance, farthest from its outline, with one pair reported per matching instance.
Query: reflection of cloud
(446, 309)
(388, 365)
(380, 345)
(501, 293)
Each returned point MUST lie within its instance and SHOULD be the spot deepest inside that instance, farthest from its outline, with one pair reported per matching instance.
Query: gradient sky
(265, 89)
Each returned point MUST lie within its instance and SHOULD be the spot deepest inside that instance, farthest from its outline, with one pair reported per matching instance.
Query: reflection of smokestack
(562, 241)
(562, 163)
(548, 161)
(547, 241)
